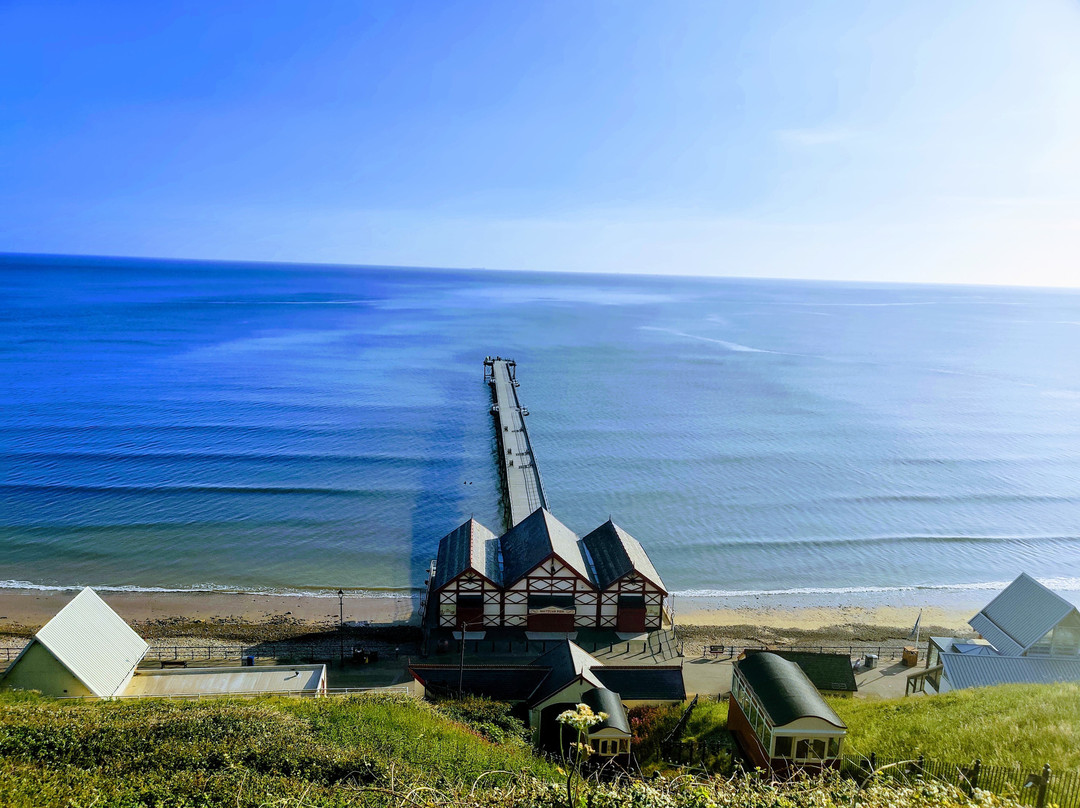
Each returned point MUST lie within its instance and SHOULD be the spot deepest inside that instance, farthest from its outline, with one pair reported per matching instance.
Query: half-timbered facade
(466, 587)
(631, 594)
(546, 581)
(539, 576)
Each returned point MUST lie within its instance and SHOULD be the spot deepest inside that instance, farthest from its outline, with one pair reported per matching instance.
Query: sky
(914, 141)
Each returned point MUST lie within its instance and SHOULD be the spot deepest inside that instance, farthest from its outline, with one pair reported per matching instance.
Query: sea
(200, 425)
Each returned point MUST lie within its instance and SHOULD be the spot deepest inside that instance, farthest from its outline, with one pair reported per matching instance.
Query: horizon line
(599, 272)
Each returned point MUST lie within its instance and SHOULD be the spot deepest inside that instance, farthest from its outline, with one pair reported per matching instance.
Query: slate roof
(470, 546)
(662, 683)
(615, 552)
(566, 661)
(980, 670)
(499, 682)
(784, 690)
(94, 643)
(535, 538)
(825, 671)
(551, 672)
(1020, 616)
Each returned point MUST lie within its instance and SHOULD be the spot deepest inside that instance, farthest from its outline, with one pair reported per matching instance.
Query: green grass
(1026, 724)
(241, 752)
(359, 751)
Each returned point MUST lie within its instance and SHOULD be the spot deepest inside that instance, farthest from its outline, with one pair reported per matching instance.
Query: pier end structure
(523, 488)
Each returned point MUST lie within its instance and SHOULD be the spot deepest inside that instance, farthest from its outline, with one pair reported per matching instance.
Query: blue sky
(918, 141)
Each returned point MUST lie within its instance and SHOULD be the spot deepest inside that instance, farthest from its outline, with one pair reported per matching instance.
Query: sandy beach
(225, 615)
(252, 617)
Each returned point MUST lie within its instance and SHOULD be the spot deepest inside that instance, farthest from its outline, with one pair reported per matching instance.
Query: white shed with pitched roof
(86, 650)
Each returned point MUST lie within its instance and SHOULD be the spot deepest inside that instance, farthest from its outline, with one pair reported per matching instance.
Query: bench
(715, 650)
(173, 663)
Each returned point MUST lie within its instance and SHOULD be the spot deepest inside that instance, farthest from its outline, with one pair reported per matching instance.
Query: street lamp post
(461, 662)
(341, 626)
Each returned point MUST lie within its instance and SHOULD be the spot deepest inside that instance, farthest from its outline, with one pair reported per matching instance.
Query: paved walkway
(712, 677)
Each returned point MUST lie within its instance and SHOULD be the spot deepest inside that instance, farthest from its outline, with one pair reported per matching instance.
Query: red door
(631, 616)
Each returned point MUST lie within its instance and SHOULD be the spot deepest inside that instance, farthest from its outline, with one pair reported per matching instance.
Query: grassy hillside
(239, 752)
(326, 753)
(1026, 724)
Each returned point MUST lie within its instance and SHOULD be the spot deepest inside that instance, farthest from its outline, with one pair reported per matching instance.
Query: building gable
(616, 554)
(37, 669)
(1021, 615)
(534, 540)
(469, 547)
(94, 643)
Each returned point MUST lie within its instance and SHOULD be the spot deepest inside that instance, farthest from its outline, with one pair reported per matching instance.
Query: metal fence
(883, 652)
(1037, 788)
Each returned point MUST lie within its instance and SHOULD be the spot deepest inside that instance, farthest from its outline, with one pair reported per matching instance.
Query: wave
(188, 489)
(1057, 584)
(731, 346)
(220, 589)
(1004, 498)
(849, 541)
(239, 457)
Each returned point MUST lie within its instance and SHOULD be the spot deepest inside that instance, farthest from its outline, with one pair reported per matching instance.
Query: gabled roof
(647, 683)
(94, 643)
(566, 661)
(1020, 616)
(980, 670)
(535, 538)
(784, 690)
(615, 553)
(825, 671)
(471, 546)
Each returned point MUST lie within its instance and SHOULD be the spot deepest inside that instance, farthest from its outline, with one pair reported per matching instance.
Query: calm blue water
(192, 425)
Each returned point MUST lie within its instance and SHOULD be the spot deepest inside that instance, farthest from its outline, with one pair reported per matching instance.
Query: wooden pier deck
(523, 488)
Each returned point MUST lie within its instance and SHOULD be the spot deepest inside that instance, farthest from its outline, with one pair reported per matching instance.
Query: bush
(494, 720)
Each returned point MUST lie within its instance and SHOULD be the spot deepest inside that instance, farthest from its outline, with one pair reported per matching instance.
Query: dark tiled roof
(566, 661)
(532, 540)
(660, 683)
(471, 545)
(784, 690)
(499, 682)
(825, 671)
(615, 553)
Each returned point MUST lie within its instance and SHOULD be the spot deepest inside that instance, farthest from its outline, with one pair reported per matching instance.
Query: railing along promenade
(523, 487)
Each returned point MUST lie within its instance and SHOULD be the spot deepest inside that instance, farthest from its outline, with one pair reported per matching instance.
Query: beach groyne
(523, 488)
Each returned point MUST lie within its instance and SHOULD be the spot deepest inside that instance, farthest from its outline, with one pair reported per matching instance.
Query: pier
(523, 488)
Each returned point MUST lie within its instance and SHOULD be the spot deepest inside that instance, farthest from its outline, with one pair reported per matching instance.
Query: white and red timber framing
(540, 576)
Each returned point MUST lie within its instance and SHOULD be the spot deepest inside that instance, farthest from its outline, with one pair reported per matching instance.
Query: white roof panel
(226, 681)
(1020, 616)
(94, 643)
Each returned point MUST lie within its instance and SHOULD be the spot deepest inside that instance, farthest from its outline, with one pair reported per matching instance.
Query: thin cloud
(821, 136)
